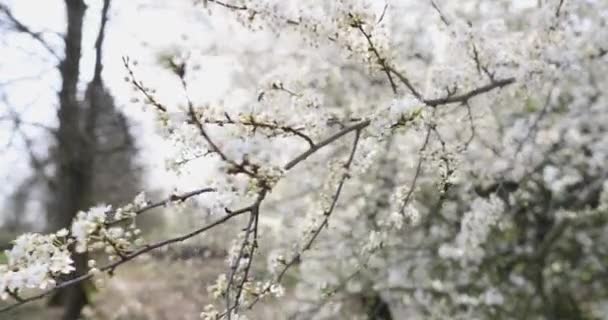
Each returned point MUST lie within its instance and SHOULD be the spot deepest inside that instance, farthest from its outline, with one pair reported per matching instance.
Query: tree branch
(20, 27)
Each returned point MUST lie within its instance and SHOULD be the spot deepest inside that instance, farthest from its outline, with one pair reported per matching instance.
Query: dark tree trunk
(74, 156)
(84, 162)
(86, 168)
(376, 308)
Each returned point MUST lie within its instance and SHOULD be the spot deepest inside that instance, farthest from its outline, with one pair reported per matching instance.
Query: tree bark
(74, 156)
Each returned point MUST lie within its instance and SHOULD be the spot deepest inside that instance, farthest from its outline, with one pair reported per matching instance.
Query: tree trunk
(74, 156)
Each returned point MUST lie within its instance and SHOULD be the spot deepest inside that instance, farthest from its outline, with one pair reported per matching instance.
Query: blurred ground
(152, 289)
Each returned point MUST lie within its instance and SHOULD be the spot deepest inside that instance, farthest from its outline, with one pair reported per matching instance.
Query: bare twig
(20, 27)
(468, 95)
(382, 14)
(472, 124)
(229, 6)
(532, 129)
(418, 169)
(329, 140)
(127, 257)
(252, 228)
(451, 98)
(140, 87)
(327, 214)
(356, 23)
(255, 124)
(254, 209)
(443, 18)
(559, 8)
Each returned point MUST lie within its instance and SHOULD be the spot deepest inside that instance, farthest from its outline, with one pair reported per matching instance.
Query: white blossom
(35, 261)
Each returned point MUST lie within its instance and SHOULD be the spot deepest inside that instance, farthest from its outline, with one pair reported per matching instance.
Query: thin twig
(372, 47)
(418, 169)
(327, 214)
(559, 8)
(19, 26)
(318, 146)
(467, 96)
(128, 257)
(443, 18)
(140, 87)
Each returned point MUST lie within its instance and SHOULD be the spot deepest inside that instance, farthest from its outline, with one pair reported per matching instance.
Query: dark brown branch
(252, 249)
(532, 129)
(481, 67)
(418, 170)
(231, 213)
(37, 164)
(406, 82)
(99, 42)
(379, 59)
(382, 14)
(463, 98)
(234, 267)
(227, 5)
(559, 8)
(320, 145)
(128, 257)
(140, 87)
(327, 214)
(472, 125)
(443, 18)
(21, 122)
(255, 124)
(236, 167)
(20, 27)
(173, 198)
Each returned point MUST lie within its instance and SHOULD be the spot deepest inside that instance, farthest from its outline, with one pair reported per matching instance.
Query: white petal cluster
(474, 230)
(459, 105)
(35, 261)
(218, 289)
(87, 223)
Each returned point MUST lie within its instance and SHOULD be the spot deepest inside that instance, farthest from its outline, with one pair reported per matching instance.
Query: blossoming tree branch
(429, 158)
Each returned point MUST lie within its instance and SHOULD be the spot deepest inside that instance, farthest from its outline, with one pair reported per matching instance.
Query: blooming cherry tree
(433, 159)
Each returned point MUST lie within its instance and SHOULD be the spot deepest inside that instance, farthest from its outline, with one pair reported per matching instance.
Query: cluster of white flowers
(474, 230)
(267, 178)
(557, 181)
(212, 313)
(35, 261)
(395, 220)
(375, 241)
(218, 289)
(495, 91)
(500, 134)
(88, 223)
(276, 290)
(250, 291)
(491, 297)
(400, 113)
(98, 228)
(497, 140)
